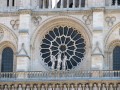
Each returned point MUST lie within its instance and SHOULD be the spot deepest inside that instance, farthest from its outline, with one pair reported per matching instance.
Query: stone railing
(51, 5)
(60, 75)
(113, 3)
(61, 4)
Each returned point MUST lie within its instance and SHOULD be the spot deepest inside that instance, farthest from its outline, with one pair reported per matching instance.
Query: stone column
(98, 48)
(23, 58)
(99, 86)
(98, 3)
(25, 4)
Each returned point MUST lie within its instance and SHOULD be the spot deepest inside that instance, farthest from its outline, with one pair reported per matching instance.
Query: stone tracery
(66, 45)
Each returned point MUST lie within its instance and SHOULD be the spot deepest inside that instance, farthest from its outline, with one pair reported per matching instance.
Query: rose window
(63, 48)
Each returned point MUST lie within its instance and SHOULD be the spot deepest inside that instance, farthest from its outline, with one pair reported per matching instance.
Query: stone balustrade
(63, 5)
(51, 5)
(113, 3)
(59, 75)
(60, 4)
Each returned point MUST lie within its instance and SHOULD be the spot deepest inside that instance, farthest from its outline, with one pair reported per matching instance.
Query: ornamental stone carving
(63, 48)
(36, 20)
(87, 19)
(15, 24)
(110, 20)
(1, 34)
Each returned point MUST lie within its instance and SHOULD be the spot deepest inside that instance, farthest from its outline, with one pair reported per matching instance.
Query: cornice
(112, 10)
(34, 13)
(76, 12)
(25, 11)
(7, 14)
(98, 9)
(61, 12)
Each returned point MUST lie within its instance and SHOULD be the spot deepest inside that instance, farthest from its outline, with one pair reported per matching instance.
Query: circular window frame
(72, 59)
(47, 25)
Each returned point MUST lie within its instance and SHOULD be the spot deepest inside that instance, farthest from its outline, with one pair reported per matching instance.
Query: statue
(50, 87)
(104, 87)
(111, 87)
(6, 87)
(118, 87)
(79, 87)
(95, 87)
(20, 87)
(27, 88)
(59, 61)
(34, 87)
(57, 87)
(12, 87)
(72, 87)
(53, 59)
(43, 87)
(87, 87)
(65, 87)
(64, 62)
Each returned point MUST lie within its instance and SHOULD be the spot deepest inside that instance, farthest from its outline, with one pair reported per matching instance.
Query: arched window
(116, 58)
(13, 2)
(7, 60)
(8, 3)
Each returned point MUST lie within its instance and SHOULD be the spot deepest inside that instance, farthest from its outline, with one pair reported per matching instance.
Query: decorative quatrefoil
(14, 24)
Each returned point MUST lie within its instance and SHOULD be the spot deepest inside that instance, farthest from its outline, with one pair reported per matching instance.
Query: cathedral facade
(59, 44)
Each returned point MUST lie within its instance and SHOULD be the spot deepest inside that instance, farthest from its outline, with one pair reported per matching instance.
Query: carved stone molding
(25, 11)
(113, 44)
(1, 34)
(98, 9)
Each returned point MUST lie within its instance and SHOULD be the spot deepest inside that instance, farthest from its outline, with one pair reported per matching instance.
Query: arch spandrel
(9, 35)
(65, 20)
(112, 35)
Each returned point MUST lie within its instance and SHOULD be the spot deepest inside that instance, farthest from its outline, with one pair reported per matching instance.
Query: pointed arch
(10, 48)
(57, 21)
(7, 60)
(110, 33)
(109, 44)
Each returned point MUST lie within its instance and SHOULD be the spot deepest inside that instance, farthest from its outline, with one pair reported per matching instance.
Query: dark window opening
(7, 2)
(13, 2)
(114, 2)
(116, 58)
(7, 60)
(71, 5)
(83, 3)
